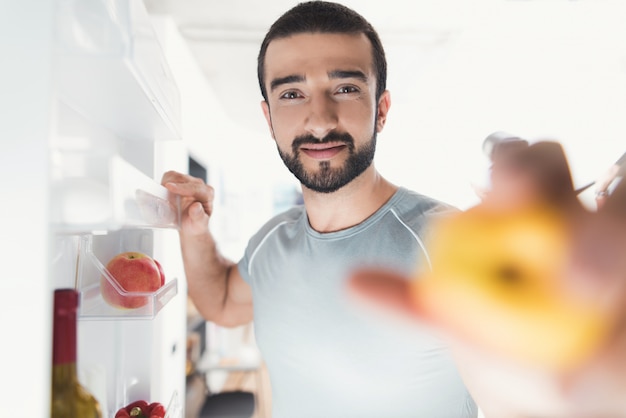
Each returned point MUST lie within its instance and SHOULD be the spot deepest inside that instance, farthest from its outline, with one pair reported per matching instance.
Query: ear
(268, 117)
(384, 103)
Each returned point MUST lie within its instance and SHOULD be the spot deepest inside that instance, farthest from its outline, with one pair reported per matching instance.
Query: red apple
(133, 272)
(160, 271)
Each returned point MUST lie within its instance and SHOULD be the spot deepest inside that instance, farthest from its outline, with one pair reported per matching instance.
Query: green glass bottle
(69, 398)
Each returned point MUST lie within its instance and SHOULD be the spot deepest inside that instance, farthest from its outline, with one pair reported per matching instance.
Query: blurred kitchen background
(458, 70)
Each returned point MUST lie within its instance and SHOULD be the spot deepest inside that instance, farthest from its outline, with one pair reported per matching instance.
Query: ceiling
(225, 37)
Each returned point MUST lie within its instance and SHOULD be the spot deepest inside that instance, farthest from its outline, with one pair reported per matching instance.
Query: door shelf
(103, 193)
(108, 47)
(92, 273)
(174, 408)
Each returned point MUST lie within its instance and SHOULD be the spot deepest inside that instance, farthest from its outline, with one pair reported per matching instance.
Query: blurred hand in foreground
(529, 289)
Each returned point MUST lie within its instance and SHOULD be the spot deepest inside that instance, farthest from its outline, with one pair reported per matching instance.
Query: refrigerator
(92, 116)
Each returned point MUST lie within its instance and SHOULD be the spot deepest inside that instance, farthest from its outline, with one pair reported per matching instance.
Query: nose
(322, 117)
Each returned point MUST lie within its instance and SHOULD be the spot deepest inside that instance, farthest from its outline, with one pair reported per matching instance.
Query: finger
(605, 180)
(537, 172)
(194, 189)
(600, 200)
(173, 177)
(183, 184)
(208, 205)
(383, 289)
(615, 203)
(197, 212)
(197, 220)
(598, 261)
(503, 148)
(601, 242)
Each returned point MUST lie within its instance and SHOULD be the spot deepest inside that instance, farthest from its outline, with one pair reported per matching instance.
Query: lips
(322, 151)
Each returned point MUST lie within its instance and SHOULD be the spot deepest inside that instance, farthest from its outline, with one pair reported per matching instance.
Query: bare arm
(215, 286)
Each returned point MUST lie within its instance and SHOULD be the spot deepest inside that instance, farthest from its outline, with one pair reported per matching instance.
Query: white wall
(541, 69)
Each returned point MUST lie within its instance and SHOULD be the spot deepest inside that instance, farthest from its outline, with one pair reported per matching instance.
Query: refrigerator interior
(94, 117)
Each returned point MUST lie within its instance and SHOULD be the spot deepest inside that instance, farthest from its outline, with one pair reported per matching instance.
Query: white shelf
(92, 192)
(111, 69)
(174, 408)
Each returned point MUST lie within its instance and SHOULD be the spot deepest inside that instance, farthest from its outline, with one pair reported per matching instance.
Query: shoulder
(411, 204)
(288, 219)
(275, 232)
(418, 211)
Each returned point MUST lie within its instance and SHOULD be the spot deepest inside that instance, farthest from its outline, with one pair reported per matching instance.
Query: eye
(290, 95)
(347, 90)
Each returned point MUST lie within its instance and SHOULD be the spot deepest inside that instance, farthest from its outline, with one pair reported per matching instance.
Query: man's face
(321, 107)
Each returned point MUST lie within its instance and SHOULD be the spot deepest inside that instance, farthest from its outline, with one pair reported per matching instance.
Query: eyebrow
(360, 75)
(277, 82)
(335, 74)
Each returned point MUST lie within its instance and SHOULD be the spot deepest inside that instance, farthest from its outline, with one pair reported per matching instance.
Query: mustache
(344, 137)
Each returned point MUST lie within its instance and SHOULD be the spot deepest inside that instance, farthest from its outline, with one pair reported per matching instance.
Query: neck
(350, 205)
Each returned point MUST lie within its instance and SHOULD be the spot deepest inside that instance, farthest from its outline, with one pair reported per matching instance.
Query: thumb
(197, 220)
(196, 212)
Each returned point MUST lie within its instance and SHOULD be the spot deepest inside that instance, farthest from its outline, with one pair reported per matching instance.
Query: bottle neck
(64, 337)
(64, 375)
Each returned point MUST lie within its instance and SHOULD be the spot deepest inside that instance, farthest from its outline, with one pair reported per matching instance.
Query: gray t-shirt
(326, 358)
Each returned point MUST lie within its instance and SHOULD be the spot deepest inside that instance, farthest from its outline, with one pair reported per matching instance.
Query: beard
(328, 179)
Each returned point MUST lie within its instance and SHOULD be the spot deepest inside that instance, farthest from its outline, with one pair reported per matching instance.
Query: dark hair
(324, 17)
